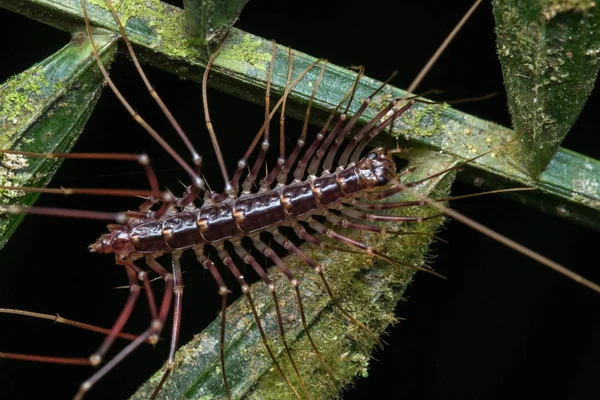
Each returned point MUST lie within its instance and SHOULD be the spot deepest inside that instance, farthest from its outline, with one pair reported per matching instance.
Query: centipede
(64, 287)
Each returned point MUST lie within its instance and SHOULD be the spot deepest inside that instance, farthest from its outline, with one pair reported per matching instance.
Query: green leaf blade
(550, 56)
(43, 110)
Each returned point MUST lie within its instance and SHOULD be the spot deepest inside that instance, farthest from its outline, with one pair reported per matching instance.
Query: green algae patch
(367, 287)
(162, 24)
(249, 51)
(43, 110)
(555, 7)
(21, 95)
(549, 51)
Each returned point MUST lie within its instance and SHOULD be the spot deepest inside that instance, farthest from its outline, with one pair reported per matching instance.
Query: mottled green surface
(43, 110)
(569, 190)
(210, 20)
(550, 55)
(367, 287)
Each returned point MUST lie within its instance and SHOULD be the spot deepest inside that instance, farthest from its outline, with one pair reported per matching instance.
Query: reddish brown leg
(264, 146)
(385, 218)
(303, 163)
(419, 203)
(223, 292)
(362, 143)
(330, 233)
(342, 135)
(228, 261)
(134, 293)
(153, 196)
(316, 159)
(196, 180)
(57, 319)
(302, 234)
(282, 175)
(259, 270)
(265, 183)
(197, 159)
(242, 163)
(289, 246)
(348, 224)
(87, 385)
(150, 334)
(173, 284)
(66, 213)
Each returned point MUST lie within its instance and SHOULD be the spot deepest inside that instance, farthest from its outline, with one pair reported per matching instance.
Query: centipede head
(377, 167)
(117, 241)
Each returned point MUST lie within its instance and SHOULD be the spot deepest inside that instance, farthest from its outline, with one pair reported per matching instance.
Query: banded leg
(134, 274)
(223, 292)
(228, 261)
(248, 259)
(304, 235)
(282, 174)
(361, 143)
(320, 153)
(149, 334)
(264, 147)
(174, 284)
(344, 133)
(292, 248)
(242, 163)
(385, 218)
(303, 163)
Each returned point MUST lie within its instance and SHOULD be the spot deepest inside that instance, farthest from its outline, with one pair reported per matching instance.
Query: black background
(500, 326)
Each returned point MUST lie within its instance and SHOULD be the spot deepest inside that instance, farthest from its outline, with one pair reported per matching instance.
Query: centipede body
(81, 285)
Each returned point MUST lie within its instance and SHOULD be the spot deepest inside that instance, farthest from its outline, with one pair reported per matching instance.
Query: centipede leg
(304, 235)
(330, 233)
(223, 292)
(228, 261)
(261, 246)
(174, 285)
(271, 286)
(315, 160)
(134, 293)
(152, 332)
(265, 183)
(289, 246)
(385, 218)
(282, 174)
(264, 147)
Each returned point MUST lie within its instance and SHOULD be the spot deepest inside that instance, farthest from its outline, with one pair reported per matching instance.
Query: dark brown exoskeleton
(250, 214)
